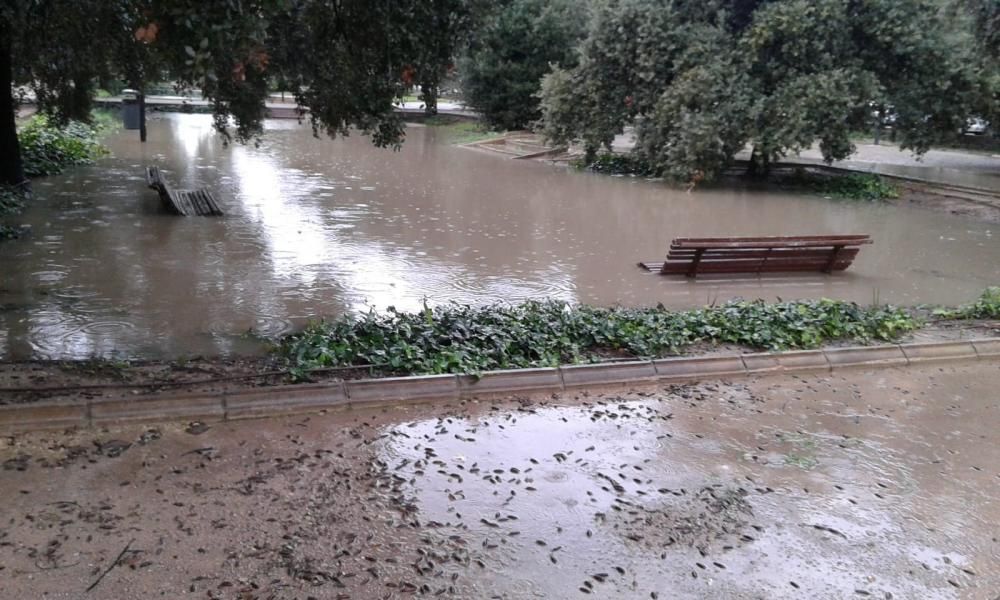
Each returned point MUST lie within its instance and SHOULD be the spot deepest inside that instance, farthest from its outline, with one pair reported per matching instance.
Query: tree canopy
(346, 60)
(516, 45)
(701, 80)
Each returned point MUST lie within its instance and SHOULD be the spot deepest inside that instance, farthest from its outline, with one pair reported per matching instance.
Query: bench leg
(763, 261)
(833, 259)
(693, 270)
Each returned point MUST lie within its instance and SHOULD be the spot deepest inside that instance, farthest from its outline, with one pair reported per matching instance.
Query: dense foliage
(517, 45)
(852, 186)
(986, 307)
(460, 339)
(860, 186)
(616, 164)
(346, 60)
(11, 203)
(702, 80)
(48, 148)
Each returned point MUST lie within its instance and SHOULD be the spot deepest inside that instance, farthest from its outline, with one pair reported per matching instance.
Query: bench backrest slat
(772, 242)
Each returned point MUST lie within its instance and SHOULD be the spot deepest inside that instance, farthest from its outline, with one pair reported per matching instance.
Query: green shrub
(48, 149)
(986, 307)
(862, 186)
(852, 186)
(617, 164)
(462, 339)
(856, 186)
(105, 121)
(11, 203)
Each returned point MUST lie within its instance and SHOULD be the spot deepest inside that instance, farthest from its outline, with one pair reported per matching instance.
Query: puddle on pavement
(716, 488)
(316, 227)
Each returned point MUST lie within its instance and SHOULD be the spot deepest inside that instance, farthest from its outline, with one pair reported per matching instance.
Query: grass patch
(48, 149)
(462, 339)
(987, 306)
(459, 131)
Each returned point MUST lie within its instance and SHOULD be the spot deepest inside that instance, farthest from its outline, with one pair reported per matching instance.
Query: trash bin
(130, 109)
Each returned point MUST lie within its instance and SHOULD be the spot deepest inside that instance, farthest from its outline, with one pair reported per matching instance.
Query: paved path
(940, 166)
(881, 484)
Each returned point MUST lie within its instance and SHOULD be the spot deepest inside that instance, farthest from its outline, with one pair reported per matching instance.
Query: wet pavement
(316, 228)
(880, 484)
(978, 170)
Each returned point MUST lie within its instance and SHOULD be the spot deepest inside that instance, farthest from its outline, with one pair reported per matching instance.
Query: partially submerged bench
(182, 202)
(824, 253)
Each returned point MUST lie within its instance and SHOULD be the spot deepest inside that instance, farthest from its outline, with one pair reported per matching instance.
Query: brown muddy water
(881, 484)
(316, 227)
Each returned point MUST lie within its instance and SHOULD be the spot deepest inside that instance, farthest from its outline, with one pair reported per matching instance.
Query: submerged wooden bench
(824, 253)
(182, 202)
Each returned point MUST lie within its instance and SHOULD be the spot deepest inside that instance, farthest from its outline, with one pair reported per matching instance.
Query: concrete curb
(868, 356)
(987, 348)
(918, 353)
(292, 399)
(510, 381)
(701, 367)
(265, 402)
(608, 373)
(794, 361)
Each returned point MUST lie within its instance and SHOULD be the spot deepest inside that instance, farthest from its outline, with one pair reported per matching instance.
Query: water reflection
(316, 227)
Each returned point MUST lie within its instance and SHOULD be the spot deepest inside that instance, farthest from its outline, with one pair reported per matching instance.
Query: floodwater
(316, 227)
(880, 484)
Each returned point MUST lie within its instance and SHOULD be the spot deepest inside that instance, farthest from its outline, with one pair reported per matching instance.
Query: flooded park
(315, 228)
(533, 299)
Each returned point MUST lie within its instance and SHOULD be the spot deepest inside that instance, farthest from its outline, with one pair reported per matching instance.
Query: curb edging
(293, 399)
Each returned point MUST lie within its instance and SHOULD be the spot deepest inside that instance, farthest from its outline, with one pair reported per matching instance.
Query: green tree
(346, 60)
(701, 80)
(985, 24)
(518, 43)
(452, 21)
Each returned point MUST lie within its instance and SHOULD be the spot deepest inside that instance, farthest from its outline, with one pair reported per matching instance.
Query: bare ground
(879, 484)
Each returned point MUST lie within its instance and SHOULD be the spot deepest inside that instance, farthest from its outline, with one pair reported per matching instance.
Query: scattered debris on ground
(652, 492)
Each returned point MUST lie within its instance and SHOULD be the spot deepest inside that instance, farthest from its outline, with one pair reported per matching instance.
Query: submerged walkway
(869, 484)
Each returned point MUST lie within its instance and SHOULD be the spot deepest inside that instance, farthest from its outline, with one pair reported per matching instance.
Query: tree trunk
(11, 166)
(142, 115)
(760, 163)
(878, 124)
(428, 95)
(80, 102)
